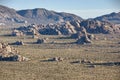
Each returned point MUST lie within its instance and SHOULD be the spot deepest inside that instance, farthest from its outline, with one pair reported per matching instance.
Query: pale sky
(83, 8)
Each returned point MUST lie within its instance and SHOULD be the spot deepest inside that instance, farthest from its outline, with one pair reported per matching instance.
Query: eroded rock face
(8, 53)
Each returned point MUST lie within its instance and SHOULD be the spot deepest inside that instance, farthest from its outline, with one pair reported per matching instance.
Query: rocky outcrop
(83, 37)
(70, 28)
(8, 53)
(50, 29)
(28, 30)
(95, 26)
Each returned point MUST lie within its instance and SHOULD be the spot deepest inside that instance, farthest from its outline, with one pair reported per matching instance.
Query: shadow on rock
(106, 64)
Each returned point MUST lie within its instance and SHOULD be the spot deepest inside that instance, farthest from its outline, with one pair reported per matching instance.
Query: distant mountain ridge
(113, 18)
(44, 16)
(41, 15)
(38, 15)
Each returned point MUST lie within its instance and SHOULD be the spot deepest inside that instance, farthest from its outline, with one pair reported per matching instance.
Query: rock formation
(50, 29)
(17, 33)
(8, 53)
(83, 37)
(95, 26)
(70, 28)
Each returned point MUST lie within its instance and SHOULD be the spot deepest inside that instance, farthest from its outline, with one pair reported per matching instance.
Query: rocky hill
(113, 17)
(41, 15)
(38, 15)
(9, 15)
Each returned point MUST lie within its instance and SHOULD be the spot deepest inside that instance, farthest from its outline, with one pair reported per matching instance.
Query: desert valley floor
(103, 54)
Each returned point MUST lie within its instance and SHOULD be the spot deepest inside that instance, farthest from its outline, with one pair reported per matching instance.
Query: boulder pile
(64, 28)
(84, 37)
(58, 29)
(8, 53)
(68, 28)
(95, 26)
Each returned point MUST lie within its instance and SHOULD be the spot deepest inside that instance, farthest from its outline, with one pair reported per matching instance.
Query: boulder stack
(83, 37)
(8, 53)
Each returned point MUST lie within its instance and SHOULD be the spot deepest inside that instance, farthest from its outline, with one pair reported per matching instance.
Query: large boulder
(76, 24)
(70, 28)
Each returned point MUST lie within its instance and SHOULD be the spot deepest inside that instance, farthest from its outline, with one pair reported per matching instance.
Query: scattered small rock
(40, 41)
(85, 61)
(91, 66)
(19, 43)
(56, 59)
(60, 59)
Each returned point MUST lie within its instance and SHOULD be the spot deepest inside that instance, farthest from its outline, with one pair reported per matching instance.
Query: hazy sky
(83, 8)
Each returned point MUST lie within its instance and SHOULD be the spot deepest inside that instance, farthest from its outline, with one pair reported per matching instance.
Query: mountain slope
(113, 18)
(41, 15)
(9, 15)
